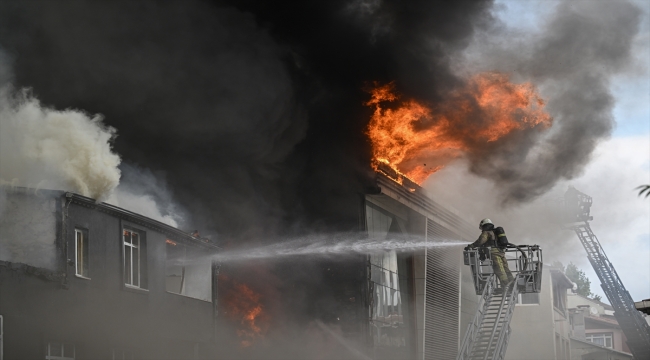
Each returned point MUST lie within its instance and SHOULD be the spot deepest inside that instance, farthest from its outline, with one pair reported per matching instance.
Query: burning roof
(417, 140)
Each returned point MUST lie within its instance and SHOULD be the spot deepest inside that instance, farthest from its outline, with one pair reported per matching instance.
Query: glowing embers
(416, 140)
(244, 308)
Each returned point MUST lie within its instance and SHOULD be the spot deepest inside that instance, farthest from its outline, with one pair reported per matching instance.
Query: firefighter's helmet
(484, 222)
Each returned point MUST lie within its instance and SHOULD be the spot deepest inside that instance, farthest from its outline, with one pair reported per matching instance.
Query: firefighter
(487, 240)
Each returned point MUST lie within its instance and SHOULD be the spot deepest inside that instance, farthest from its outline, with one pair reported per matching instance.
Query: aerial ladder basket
(488, 334)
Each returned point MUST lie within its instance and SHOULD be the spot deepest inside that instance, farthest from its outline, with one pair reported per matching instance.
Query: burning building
(252, 112)
(87, 280)
(419, 301)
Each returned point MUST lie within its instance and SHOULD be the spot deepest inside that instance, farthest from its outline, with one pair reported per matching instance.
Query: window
(602, 339)
(135, 267)
(390, 289)
(117, 354)
(528, 299)
(559, 297)
(81, 253)
(59, 351)
(188, 271)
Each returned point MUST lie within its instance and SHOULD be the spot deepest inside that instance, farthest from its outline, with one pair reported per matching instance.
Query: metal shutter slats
(442, 296)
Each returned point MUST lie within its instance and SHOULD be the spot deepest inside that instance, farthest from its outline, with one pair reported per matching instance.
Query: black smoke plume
(252, 110)
(574, 57)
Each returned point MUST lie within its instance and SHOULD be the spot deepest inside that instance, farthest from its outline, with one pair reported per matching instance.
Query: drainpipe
(1, 337)
(64, 235)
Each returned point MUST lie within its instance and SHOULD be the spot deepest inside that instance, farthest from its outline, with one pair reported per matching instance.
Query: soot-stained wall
(98, 314)
(28, 228)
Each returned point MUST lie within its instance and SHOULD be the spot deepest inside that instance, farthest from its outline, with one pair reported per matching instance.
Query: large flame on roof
(243, 307)
(416, 140)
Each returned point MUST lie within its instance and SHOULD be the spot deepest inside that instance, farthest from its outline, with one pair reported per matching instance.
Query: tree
(578, 276)
(644, 189)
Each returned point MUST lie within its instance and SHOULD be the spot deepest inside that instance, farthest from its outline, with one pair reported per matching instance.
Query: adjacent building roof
(608, 321)
(583, 344)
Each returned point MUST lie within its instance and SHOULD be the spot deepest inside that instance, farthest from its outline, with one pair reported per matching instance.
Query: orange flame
(416, 140)
(243, 306)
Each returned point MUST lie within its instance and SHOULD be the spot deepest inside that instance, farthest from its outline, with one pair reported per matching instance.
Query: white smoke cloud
(146, 193)
(621, 218)
(42, 147)
(71, 150)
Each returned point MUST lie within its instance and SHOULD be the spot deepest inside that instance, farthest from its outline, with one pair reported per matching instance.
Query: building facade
(540, 324)
(87, 280)
(421, 299)
(595, 330)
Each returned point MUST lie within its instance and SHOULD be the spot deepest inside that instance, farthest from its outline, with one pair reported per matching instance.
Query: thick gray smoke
(572, 59)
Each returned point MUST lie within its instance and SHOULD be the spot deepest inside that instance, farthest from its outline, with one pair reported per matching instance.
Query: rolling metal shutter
(442, 312)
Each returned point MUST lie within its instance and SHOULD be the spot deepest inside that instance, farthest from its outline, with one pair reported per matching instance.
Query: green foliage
(578, 276)
(644, 189)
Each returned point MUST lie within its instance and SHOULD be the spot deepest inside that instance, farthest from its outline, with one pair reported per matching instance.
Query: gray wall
(533, 327)
(28, 228)
(100, 313)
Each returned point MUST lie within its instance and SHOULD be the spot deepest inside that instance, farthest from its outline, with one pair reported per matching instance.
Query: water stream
(334, 244)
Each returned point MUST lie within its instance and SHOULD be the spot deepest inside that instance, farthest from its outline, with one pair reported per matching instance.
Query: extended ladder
(635, 328)
(577, 207)
(488, 334)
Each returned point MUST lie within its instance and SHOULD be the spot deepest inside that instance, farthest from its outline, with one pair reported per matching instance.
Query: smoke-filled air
(281, 152)
(54, 149)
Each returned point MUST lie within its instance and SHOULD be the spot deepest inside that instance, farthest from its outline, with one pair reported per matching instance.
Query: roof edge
(174, 233)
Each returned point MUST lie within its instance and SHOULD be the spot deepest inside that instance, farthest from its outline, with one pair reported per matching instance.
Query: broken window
(134, 260)
(81, 253)
(188, 271)
(59, 351)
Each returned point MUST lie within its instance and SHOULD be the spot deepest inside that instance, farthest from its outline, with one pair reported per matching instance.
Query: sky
(628, 152)
(618, 165)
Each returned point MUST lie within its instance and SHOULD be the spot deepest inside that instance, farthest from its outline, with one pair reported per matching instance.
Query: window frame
(125, 354)
(188, 276)
(85, 274)
(141, 259)
(601, 335)
(48, 347)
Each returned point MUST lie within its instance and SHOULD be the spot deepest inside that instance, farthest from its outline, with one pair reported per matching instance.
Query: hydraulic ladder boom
(635, 328)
